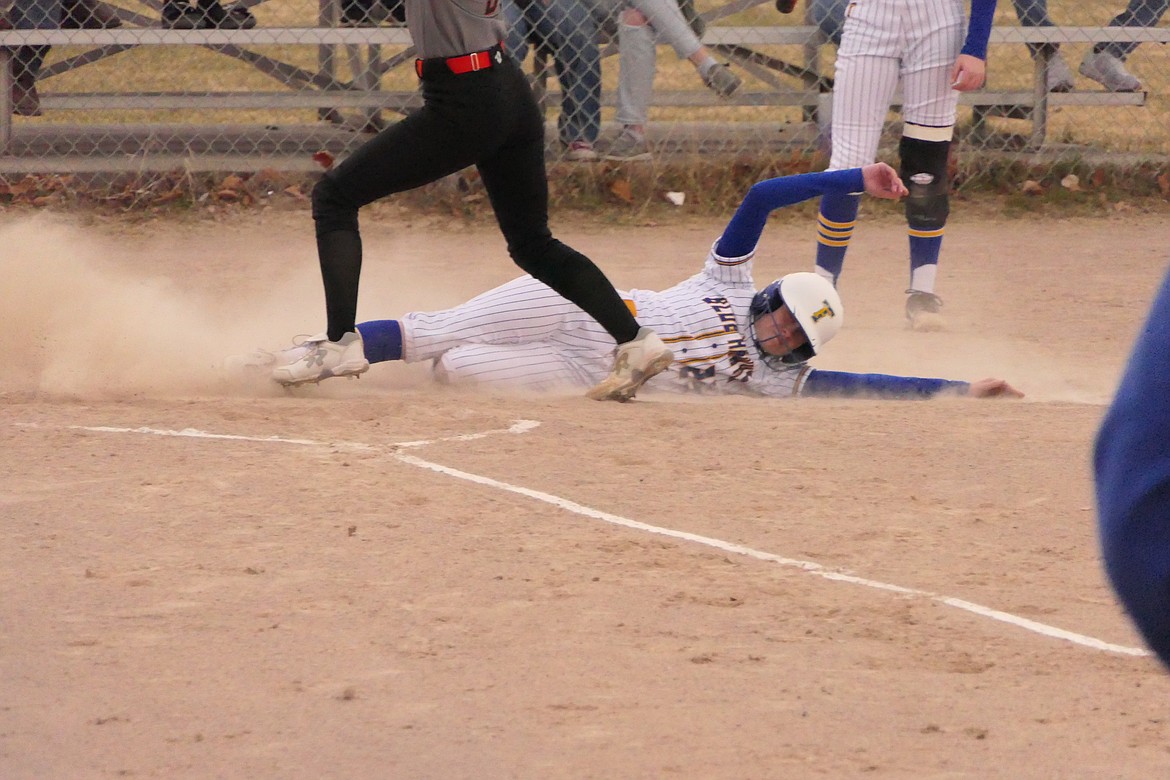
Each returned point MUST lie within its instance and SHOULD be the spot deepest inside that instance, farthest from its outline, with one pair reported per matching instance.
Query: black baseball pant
(487, 118)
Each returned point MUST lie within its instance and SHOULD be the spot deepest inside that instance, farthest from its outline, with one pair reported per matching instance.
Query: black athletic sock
(340, 254)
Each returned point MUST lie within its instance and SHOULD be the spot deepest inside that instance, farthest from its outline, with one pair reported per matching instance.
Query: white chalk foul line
(808, 566)
(523, 426)
(520, 426)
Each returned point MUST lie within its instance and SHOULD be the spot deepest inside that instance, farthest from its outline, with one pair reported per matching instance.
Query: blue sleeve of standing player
(979, 28)
(842, 384)
(1132, 464)
(743, 231)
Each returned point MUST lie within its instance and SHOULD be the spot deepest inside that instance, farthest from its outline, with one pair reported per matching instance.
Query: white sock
(922, 277)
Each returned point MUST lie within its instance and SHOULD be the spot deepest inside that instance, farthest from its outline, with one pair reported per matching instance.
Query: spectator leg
(638, 60)
(1139, 13)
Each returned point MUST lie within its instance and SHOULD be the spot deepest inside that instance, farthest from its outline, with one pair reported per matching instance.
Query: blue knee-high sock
(835, 223)
(924, 249)
(382, 340)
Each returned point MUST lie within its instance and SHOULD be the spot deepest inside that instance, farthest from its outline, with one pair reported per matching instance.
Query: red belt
(464, 63)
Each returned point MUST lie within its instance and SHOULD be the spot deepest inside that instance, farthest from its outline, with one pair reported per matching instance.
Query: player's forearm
(979, 28)
(1132, 468)
(743, 231)
(843, 384)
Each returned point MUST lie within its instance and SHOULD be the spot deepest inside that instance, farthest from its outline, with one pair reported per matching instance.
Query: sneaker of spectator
(180, 16)
(88, 15)
(206, 15)
(231, 17)
(1109, 71)
(629, 146)
(720, 80)
(581, 151)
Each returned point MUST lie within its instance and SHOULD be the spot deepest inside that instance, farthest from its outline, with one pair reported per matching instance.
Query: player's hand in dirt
(968, 73)
(882, 181)
(993, 388)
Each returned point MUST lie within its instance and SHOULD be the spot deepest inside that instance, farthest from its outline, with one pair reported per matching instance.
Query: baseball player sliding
(727, 337)
(919, 43)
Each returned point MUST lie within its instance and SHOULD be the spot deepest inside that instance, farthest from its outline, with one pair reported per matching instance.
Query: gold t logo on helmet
(824, 311)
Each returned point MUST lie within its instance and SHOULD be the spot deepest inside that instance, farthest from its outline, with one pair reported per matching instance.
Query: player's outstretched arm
(845, 384)
(882, 181)
(743, 231)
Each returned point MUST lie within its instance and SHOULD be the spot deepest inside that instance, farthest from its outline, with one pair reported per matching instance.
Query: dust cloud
(110, 313)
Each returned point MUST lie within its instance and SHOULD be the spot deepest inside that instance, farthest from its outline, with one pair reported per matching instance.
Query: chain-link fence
(267, 84)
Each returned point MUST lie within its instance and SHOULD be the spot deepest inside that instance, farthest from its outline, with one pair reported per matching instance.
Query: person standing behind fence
(1132, 470)
(920, 43)
(478, 109)
(47, 15)
(641, 25)
(567, 30)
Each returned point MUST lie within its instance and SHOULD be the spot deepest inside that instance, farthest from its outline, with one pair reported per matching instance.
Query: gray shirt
(447, 28)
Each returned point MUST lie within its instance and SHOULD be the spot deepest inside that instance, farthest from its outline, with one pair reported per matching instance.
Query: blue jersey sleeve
(843, 384)
(1132, 467)
(979, 28)
(743, 231)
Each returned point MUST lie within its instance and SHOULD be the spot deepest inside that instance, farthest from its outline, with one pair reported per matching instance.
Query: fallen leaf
(1031, 187)
(1164, 184)
(1072, 183)
(324, 159)
(622, 189)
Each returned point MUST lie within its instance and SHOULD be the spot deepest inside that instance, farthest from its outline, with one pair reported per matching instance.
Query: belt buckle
(475, 58)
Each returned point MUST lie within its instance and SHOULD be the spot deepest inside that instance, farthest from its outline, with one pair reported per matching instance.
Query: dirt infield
(389, 579)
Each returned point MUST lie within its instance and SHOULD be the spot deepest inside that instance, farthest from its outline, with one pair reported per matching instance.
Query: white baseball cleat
(318, 358)
(260, 362)
(636, 362)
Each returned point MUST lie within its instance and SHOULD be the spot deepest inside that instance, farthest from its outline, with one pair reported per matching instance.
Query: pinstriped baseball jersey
(522, 334)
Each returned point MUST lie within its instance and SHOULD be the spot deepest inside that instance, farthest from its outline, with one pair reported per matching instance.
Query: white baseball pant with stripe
(884, 42)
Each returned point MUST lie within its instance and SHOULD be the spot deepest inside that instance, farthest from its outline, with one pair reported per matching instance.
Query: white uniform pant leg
(533, 367)
(927, 97)
(523, 311)
(862, 91)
